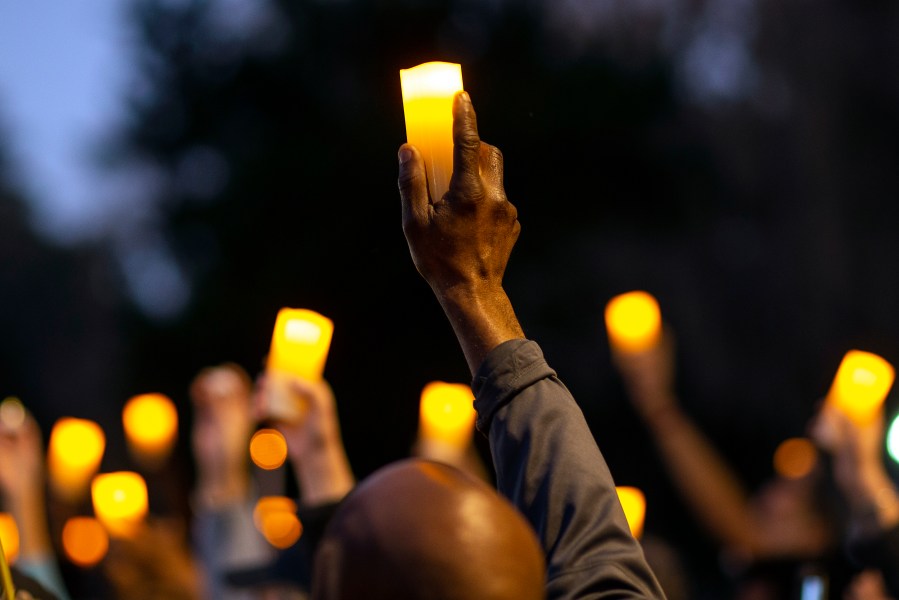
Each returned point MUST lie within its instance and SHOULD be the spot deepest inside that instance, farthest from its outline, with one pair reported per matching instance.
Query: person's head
(421, 529)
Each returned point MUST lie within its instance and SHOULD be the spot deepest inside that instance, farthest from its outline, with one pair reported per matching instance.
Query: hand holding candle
(300, 343)
(861, 385)
(428, 91)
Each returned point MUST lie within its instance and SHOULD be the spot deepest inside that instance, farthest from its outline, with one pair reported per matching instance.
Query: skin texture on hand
(461, 243)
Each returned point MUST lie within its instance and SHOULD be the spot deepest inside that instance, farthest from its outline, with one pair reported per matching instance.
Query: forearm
(482, 318)
(30, 513)
(549, 466)
(324, 475)
(704, 480)
(873, 501)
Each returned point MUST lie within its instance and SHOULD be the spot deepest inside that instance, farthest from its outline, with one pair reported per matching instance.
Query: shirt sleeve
(548, 464)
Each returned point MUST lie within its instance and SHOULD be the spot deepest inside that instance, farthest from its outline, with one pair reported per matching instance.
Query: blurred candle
(151, 426)
(300, 343)
(120, 501)
(428, 92)
(634, 504)
(795, 458)
(275, 517)
(74, 453)
(861, 385)
(633, 322)
(84, 541)
(446, 413)
(268, 449)
(9, 537)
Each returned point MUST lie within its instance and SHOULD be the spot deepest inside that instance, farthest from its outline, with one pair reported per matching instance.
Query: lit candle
(446, 414)
(74, 453)
(300, 343)
(428, 92)
(84, 541)
(120, 501)
(151, 427)
(861, 385)
(9, 537)
(633, 322)
(634, 504)
(276, 518)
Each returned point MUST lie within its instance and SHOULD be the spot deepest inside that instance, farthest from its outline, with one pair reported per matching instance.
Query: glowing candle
(446, 413)
(275, 517)
(633, 321)
(268, 449)
(120, 501)
(84, 541)
(299, 348)
(74, 453)
(151, 426)
(795, 458)
(428, 92)
(634, 504)
(9, 537)
(862, 383)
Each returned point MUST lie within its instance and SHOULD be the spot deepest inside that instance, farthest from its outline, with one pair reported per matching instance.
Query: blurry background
(175, 171)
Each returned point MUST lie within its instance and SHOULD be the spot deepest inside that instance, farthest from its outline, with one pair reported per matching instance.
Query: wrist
(324, 476)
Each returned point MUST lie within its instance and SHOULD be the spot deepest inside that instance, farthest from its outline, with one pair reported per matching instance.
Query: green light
(893, 439)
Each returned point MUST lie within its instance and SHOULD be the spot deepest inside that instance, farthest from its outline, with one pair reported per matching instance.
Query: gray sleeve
(548, 464)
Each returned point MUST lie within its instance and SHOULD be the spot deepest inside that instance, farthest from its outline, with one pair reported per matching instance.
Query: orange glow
(428, 91)
(633, 322)
(634, 504)
(795, 458)
(120, 501)
(9, 537)
(151, 426)
(862, 383)
(84, 541)
(268, 449)
(275, 517)
(446, 413)
(74, 453)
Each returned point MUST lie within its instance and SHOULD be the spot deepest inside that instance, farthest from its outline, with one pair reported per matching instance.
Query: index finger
(466, 141)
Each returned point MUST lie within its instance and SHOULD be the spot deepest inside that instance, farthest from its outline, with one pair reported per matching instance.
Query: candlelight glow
(633, 321)
(428, 91)
(84, 541)
(120, 501)
(795, 458)
(74, 453)
(447, 413)
(268, 449)
(151, 426)
(9, 537)
(275, 517)
(861, 385)
(300, 343)
(634, 504)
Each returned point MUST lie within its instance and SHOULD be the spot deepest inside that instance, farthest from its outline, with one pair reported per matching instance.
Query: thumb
(413, 184)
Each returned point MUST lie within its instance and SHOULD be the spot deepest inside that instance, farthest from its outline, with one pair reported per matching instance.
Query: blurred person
(869, 493)
(546, 460)
(767, 537)
(23, 489)
(223, 534)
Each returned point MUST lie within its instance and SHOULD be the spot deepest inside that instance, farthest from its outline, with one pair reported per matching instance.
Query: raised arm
(546, 460)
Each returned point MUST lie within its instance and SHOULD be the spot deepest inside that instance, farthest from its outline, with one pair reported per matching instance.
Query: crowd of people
(549, 525)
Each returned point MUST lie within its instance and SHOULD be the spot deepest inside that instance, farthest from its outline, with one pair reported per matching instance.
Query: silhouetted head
(420, 529)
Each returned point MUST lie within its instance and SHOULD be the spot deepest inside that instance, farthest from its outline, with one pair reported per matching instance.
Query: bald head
(421, 529)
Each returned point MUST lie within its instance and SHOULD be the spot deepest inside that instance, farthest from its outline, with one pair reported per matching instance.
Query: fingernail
(405, 155)
(465, 97)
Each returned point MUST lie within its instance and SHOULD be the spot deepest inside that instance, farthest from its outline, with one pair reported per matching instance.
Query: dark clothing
(881, 553)
(548, 464)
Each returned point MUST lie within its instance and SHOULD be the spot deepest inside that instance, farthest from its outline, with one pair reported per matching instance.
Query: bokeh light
(633, 321)
(84, 541)
(795, 458)
(151, 425)
(268, 449)
(446, 413)
(120, 501)
(74, 453)
(9, 536)
(633, 502)
(893, 439)
(275, 517)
